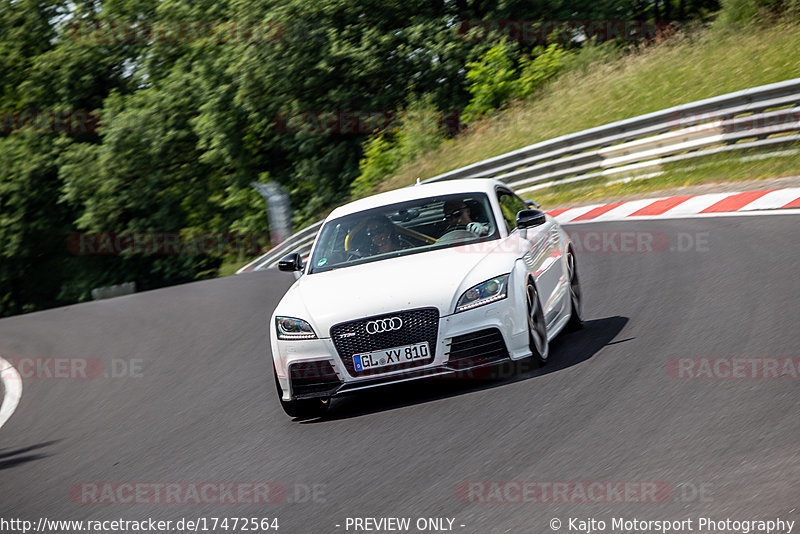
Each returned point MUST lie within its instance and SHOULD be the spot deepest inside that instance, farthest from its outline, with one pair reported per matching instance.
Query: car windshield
(405, 228)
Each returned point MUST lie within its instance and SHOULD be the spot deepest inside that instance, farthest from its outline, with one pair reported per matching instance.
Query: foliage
(537, 70)
(421, 128)
(738, 13)
(237, 91)
(492, 81)
(500, 75)
(379, 161)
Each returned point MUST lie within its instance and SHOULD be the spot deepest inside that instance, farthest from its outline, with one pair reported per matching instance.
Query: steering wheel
(354, 255)
(452, 235)
(455, 228)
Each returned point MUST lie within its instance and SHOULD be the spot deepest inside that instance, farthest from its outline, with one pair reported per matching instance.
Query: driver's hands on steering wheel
(477, 228)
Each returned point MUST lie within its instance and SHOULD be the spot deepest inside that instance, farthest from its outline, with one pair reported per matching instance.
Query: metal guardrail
(760, 117)
(298, 242)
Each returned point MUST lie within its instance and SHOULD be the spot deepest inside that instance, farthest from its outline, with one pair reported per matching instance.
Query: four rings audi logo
(384, 325)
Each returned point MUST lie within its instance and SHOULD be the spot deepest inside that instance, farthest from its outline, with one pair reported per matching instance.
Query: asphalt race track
(196, 402)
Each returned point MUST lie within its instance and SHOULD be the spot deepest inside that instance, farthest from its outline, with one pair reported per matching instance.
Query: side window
(510, 205)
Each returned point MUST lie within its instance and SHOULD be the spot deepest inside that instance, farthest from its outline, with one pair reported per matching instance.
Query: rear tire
(537, 329)
(302, 408)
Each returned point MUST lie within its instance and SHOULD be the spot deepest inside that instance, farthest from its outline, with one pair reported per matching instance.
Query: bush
(495, 78)
(492, 81)
(419, 130)
(379, 161)
(539, 69)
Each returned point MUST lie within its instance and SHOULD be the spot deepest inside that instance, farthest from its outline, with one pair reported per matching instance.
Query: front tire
(537, 329)
(575, 295)
(302, 408)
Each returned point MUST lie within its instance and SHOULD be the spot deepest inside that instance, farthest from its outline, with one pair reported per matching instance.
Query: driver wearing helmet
(382, 235)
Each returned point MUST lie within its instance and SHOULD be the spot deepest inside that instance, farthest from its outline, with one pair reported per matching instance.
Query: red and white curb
(748, 202)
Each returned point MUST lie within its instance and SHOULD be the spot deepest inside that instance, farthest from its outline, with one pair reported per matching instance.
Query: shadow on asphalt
(12, 458)
(565, 351)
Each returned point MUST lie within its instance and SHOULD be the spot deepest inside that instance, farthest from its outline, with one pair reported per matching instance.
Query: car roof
(475, 185)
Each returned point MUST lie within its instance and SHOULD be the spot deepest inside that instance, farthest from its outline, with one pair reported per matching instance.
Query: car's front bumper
(319, 370)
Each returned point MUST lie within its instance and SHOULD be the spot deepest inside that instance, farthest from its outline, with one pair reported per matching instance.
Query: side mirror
(530, 218)
(291, 262)
(532, 204)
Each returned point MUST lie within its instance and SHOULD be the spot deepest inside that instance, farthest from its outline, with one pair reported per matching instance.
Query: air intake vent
(477, 348)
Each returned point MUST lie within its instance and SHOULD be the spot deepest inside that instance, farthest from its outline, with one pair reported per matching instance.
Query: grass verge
(684, 69)
(719, 168)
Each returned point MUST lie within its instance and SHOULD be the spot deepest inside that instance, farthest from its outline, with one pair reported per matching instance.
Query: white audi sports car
(419, 282)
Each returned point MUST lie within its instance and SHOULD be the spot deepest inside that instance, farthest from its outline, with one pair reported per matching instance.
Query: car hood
(435, 278)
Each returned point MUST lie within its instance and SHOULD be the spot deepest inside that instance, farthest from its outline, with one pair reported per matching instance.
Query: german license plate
(393, 356)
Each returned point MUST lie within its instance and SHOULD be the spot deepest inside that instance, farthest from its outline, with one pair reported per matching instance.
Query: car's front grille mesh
(352, 338)
(477, 348)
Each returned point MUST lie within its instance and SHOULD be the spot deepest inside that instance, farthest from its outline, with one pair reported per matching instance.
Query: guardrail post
(279, 211)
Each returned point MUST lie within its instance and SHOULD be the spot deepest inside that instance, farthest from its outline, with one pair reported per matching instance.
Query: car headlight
(291, 328)
(484, 293)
